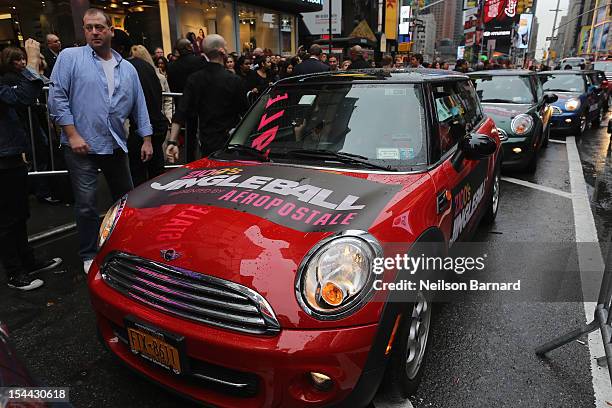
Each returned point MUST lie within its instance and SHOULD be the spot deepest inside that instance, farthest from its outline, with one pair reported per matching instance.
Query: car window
(471, 103)
(451, 113)
(381, 122)
(604, 66)
(538, 87)
(563, 82)
(504, 89)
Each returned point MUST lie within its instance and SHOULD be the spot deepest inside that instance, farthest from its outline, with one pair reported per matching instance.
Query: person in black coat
(54, 46)
(313, 64)
(178, 72)
(151, 87)
(17, 256)
(358, 62)
(215, 95)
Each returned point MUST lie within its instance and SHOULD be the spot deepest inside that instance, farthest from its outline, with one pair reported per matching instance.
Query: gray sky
(546, 19)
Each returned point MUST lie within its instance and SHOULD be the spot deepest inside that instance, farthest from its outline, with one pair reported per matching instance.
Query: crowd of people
(108, 110)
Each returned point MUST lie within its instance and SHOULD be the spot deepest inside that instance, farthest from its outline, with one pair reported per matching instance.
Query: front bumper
(512, 159)
(565, 122)
(276, 367)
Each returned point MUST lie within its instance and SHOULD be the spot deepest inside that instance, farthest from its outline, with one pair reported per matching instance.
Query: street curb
(51, 232)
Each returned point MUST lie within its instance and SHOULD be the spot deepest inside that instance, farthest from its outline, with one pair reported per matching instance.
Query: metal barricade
(51, 133)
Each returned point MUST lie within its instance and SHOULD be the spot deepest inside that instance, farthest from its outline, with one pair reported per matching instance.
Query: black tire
(493, 202)
(532, 165)
(405, 367)
(579, 129)
(546, 137)
(596, 123)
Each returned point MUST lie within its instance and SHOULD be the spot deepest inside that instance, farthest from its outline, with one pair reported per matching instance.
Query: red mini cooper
(246, 279)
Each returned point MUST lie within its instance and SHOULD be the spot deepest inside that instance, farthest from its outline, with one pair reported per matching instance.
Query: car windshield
(603, 66)
(374, 124)
(509, 89)
(563, 83)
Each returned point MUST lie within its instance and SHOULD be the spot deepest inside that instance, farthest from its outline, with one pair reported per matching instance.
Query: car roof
(564, 72)
(410, 75)
(502, 72)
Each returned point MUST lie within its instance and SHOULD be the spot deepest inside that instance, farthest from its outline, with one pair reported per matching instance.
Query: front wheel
(581, 125)
(598, 119)
(405, 368)
(493, 203)
(546, 137)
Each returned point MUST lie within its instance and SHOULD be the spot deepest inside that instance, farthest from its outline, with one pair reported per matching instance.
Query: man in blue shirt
(94, 91)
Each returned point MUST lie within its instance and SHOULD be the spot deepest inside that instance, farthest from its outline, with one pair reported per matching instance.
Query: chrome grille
(502, 134)
(556, 110)
(190, 295)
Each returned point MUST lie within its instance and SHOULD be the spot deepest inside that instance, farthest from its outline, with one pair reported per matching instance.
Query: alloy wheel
(420, 321)
(495, 198)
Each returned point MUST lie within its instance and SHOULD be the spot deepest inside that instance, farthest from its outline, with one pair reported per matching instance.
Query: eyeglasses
(98, 27)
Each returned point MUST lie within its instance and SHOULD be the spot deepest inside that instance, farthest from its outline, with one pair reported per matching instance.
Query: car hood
(248, 223)
(564, 97)
(503, 114)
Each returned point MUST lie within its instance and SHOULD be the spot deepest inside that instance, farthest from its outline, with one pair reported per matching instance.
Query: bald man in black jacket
(313, 64)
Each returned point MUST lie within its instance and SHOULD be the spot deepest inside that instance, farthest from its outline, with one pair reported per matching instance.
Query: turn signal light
(332, 294)
(517, 150)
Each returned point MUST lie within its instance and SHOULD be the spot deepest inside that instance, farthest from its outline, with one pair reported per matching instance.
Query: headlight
(522, 124)
(572, 104)
(336, 276)
(110, 220)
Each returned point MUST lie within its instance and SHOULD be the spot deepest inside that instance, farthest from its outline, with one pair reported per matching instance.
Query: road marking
(537, 187)
(590, 262)
(557, 141)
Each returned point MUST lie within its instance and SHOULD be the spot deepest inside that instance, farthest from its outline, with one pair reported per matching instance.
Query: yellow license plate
(155, 350)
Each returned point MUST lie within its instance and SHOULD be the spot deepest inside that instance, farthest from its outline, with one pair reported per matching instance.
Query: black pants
(191, 140)
(143, 171)
(212, 142)
(16, 255)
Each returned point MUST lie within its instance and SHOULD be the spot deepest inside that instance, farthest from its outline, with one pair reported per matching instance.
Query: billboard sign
(318, 22)
(404, 25)
(391, 16)
(522, 31)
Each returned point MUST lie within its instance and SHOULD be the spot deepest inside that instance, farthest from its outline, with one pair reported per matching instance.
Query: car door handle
(443, 201)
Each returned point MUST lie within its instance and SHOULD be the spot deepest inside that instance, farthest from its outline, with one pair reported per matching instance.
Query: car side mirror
(476, 146)
(550, 98)
(610, 127)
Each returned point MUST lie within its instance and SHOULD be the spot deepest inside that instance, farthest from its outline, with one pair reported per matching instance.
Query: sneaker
(87, 265)
(22, 282)
(49, 200)
(44, 266)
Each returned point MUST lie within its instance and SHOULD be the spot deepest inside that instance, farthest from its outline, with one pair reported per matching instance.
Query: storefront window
(204, 18)
(259, 27)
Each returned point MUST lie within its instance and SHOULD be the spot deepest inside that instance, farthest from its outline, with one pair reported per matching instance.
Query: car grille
(502, 134)
(556, 110)
(190, 295)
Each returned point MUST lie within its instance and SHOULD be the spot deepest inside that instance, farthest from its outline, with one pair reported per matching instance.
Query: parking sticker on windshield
(395, 91)
(306, 200)
(406, 153)
(388, 153)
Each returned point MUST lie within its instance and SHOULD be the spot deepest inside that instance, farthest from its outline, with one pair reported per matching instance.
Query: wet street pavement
(481, 353)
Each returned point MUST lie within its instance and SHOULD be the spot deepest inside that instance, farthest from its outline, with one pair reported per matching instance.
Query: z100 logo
(465, 205)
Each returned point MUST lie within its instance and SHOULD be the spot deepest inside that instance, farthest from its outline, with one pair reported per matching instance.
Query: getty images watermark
(436, 273)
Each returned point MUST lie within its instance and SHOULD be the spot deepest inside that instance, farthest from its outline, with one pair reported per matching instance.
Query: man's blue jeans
(83, 170)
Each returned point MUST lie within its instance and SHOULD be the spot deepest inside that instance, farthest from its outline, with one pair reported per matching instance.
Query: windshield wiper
(258, 154)
(342, 157)
(557, 90)
(498, 100)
